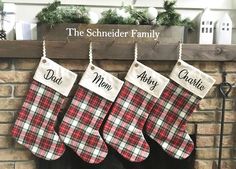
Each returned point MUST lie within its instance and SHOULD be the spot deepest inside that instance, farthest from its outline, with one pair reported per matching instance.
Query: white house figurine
(206, 28)
(224, 30)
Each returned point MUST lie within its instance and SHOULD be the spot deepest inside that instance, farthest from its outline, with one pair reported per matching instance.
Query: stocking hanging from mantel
(34, 126)
(80, 126)
(166, 123)
(123, 129)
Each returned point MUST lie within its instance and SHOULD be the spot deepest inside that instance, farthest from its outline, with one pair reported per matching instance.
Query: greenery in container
(54, 14)
(170, 17)
(1, 6)
(133, 16)
(129, 15)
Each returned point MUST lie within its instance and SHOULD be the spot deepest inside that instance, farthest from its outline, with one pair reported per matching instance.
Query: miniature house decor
(206, 27)
(224, 30)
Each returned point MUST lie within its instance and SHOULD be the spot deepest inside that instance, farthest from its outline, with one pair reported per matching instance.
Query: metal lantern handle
(225, 89)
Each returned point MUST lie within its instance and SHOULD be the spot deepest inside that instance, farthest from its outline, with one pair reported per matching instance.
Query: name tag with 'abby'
(146, 79)
(101, 82)
(55, 76)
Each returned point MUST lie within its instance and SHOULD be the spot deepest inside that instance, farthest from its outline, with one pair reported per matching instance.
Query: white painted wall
(26, 10)
(220, 4)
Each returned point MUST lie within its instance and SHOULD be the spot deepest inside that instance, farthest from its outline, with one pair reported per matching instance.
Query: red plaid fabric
(80, 126)
(123, 129)
(166, 123)
(34, 126)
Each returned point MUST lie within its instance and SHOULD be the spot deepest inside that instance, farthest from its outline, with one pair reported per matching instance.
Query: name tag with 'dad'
(55, 76)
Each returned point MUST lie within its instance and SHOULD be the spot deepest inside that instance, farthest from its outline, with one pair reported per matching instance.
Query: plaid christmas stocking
(123, 129)
(80, 126)
(166, 123)
(34, 126)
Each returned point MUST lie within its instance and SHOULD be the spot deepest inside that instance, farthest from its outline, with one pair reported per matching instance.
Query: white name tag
(55, 76)
(146, 79)
(101, 82)
(192, 78)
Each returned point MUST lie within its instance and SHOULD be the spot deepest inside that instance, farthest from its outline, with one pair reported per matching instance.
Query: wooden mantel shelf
(116, 51)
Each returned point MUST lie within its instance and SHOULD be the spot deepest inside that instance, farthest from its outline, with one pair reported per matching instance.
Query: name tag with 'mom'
(101, 82)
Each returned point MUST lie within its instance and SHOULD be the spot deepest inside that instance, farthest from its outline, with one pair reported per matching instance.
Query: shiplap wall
(26, 10)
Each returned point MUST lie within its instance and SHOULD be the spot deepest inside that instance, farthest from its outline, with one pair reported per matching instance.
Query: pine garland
(110, 17)
(140, 16)
(1, 6)
(137, 17)
(54, 14)
(170, 17)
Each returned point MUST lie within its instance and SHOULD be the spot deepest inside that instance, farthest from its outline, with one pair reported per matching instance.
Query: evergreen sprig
(140, 16)
(110, 17)
(137, 17)
(170, 17)
(1, 6)
(54, 14)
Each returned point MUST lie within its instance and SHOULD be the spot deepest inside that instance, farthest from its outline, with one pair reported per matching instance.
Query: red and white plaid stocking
(34, 126)
(123, 129)
(166, 123)
(80, 126)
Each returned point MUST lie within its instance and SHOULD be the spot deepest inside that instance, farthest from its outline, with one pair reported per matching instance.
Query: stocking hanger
(90, 52)
(180, 50)
(135, 51)
(44, 52)
(44, 49)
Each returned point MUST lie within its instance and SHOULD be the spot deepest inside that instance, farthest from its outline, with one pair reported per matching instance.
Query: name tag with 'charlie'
(192, 79)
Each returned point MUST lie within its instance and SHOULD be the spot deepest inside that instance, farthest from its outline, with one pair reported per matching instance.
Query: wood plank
(113, 50)
(94, 32)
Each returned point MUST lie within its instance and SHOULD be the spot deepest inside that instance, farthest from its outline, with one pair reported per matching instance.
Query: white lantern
(26, 31)
(224, 30)
(9, 20)
(206, 28)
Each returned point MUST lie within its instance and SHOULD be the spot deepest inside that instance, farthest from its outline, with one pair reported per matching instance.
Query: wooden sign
(127, 33)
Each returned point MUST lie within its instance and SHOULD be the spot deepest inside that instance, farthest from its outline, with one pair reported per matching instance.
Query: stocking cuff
(55, 76)
(192, 79)
(101, 82)
(147, 79)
